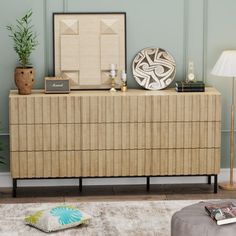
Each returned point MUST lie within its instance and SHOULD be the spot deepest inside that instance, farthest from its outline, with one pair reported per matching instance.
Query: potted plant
(25, 42)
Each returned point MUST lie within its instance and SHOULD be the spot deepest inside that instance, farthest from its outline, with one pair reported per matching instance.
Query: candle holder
(113, 78)
(123, 87)
(113, 84)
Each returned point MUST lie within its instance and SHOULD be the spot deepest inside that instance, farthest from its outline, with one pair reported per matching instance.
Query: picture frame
(86, 44)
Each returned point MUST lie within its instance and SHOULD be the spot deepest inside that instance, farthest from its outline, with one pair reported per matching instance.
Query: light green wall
(195, 30)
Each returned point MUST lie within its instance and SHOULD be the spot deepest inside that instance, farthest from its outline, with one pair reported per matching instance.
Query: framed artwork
(85, 46)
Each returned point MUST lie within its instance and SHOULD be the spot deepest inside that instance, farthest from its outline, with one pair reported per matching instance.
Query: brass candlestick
(113, 77)
(123, 86)
(113, 84)
(123, 81)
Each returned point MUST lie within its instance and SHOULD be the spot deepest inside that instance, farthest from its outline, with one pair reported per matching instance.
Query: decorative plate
(154, 68)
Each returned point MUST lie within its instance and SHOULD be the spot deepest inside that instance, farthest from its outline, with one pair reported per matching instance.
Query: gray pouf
(194, 221)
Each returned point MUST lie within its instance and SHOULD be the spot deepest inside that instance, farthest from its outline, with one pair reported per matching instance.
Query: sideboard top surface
(130, 92)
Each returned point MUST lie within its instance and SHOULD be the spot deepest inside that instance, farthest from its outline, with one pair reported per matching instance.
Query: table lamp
(226, 67)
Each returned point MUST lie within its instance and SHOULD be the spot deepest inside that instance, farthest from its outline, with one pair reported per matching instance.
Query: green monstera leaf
(66, 214)
(33, 219)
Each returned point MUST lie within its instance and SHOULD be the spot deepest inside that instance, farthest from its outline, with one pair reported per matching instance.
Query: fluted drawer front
(75, 109)
(115, 163)
(111, 136)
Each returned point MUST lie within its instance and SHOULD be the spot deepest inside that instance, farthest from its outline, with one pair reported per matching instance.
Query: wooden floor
(114, 193)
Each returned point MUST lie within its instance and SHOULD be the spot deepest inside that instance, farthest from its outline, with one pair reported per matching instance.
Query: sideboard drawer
(103, 107)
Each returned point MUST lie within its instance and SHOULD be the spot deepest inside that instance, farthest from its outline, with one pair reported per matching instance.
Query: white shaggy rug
(125, 218)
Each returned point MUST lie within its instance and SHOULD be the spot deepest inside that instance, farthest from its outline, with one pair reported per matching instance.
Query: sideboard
(102, 134)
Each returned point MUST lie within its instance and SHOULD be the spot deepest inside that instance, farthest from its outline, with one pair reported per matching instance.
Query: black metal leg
(148, 183)
(80, 184)
(209, 179)
(215, 183)
(14, 187)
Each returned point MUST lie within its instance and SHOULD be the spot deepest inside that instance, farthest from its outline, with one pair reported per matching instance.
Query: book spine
(190, 85)
(210, 214)
(190, 89)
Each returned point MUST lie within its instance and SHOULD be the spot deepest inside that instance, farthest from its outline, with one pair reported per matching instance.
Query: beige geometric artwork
(73, 76)
(109, 51)
(70, 52)
(106, 77)
(69, 26)
(85, 46)
(109, 26)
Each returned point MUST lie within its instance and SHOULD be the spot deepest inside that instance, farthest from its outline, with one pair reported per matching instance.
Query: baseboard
(6, 180)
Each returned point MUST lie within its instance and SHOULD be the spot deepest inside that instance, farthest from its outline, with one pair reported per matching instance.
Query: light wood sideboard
(103, 134)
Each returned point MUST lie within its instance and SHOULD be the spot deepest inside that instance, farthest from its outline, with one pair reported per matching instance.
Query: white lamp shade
(226, 64)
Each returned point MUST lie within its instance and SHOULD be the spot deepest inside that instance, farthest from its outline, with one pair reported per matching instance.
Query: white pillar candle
(123, 76)
(113, 67)
(113, 74)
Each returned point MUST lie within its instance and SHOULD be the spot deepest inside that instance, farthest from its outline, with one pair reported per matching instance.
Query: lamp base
(228, 186)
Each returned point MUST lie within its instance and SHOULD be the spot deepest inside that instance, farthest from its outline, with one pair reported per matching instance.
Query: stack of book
(222, 213)
(183, 86)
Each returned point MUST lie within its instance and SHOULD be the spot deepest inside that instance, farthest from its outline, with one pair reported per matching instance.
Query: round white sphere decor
(154, 68)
